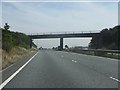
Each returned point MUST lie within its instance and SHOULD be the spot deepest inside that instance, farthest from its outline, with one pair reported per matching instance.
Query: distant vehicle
(42, 48)
(82, 47)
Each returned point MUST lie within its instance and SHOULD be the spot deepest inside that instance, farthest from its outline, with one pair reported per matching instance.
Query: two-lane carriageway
(58, 69)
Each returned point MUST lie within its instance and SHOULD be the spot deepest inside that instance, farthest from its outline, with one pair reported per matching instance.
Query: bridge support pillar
(30, 43)
(61, 43)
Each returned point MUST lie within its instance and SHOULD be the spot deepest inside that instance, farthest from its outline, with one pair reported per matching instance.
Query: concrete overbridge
(63, 35)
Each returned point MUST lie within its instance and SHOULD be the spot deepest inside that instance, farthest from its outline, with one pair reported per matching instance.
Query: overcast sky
(38, 17)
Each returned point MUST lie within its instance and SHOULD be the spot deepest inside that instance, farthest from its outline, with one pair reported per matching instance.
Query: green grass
(112, 56)
(92, 53)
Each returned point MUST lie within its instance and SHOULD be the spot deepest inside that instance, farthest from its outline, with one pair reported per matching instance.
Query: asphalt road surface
(57, 69)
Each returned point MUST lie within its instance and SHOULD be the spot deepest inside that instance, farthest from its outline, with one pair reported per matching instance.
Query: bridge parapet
(68, 32)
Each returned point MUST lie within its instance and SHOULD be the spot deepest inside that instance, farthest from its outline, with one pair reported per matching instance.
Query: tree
(108, 39)
(7, 42)
(66, 46)
(12, 39)
(6, 26)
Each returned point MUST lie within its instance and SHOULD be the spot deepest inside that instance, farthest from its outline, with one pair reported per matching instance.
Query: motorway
(58, 69)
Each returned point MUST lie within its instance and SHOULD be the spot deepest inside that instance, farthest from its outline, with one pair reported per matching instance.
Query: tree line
(108, 39)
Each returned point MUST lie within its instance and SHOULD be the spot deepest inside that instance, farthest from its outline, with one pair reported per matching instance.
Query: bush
(13, 39)
(109, 39)
(7, 43)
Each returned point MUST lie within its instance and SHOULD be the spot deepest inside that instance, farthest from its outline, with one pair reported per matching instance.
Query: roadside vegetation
(14, 39)
(15, 45)
(109, 39)
(93, 53)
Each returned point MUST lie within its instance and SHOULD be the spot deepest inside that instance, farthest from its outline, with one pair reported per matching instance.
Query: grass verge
(14, 55)
(108, 55)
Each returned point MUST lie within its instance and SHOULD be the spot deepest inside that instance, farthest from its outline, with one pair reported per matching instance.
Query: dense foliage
(108, 39)
(13, 39)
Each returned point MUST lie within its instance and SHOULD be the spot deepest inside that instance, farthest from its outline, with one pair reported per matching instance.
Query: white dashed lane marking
(115, 79)
(74, 61)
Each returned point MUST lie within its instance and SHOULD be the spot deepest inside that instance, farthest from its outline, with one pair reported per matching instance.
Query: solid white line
(14, 74)
(6, 68)
(109, 58)
(115, 79)
(102, 57)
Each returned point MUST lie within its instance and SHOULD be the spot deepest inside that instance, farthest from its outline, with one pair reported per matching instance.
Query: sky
(33, 17)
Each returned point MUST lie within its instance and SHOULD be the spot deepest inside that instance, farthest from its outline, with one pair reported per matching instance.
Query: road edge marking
(115, 79)
(14, 74)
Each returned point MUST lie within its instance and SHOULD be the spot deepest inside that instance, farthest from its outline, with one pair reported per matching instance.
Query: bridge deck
(66, 35)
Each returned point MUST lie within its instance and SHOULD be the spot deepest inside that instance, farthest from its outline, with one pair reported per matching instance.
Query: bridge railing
(67, 32)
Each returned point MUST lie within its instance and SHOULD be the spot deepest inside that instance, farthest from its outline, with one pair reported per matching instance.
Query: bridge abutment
(61, 43)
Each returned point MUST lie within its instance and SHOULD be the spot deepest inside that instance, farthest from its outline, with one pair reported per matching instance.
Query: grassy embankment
(15, 55)
(15, 46)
